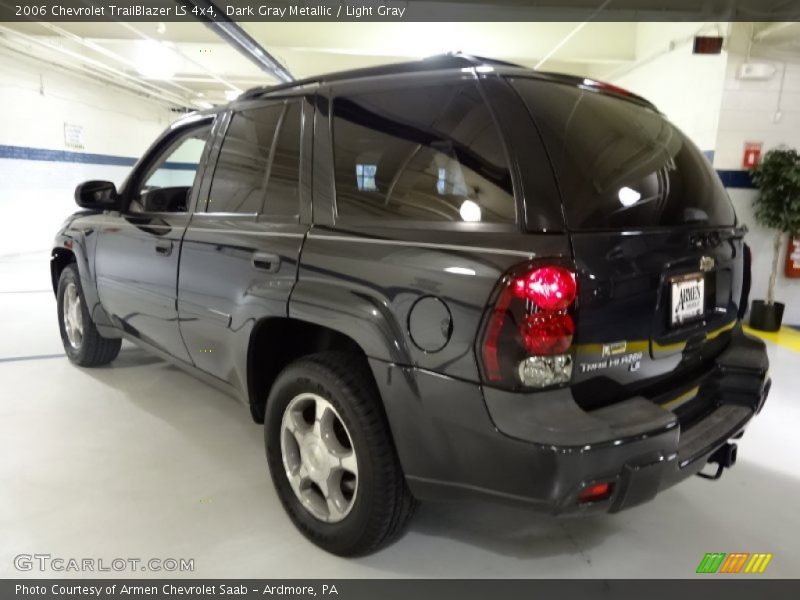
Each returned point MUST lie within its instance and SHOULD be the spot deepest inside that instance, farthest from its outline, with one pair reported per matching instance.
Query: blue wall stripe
(731, 178)
(25, 153)
(736, 178)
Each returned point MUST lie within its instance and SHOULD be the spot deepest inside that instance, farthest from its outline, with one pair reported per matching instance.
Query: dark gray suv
(449, 278)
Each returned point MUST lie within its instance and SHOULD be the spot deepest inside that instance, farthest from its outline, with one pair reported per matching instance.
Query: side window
(258, 171)
(241, 174)
(420, 154)
(283, 188)
(167, 184)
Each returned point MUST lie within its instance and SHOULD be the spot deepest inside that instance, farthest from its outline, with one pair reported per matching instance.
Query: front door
(138, 250)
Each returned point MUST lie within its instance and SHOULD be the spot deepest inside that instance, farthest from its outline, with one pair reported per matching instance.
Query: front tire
(331, 456)
(82, 342)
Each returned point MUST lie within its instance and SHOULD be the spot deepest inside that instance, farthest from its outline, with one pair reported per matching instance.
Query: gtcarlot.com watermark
(56, 564)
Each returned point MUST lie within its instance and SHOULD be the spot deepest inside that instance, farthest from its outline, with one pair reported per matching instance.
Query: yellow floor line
(786, 337)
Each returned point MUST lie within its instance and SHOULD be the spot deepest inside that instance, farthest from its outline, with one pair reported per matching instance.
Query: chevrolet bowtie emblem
(706, 263)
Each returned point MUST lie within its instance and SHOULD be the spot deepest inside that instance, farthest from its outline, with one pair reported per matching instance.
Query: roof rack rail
(450, 60)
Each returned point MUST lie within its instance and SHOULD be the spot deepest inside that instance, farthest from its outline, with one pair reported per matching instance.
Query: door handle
(164, 248)
(266, 261)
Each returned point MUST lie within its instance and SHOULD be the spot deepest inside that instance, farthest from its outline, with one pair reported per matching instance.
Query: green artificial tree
(777, 206)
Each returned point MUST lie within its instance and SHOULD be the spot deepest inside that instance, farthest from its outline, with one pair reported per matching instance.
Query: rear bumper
(456, 440)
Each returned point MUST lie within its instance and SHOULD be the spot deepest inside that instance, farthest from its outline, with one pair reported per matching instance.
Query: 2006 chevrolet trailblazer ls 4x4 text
(448, 278)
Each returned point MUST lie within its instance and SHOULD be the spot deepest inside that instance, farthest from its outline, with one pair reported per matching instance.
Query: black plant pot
(766, 317)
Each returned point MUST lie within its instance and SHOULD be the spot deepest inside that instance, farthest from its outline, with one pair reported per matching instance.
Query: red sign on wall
(793, 257)
(752, 154)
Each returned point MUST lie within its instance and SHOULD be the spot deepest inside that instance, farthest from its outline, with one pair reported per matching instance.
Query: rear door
(654, 238)
(240, 251)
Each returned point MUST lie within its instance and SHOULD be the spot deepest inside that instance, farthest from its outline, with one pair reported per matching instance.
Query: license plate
(688, 298)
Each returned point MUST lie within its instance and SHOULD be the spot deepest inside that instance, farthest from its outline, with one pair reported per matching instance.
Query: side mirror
(97, 195)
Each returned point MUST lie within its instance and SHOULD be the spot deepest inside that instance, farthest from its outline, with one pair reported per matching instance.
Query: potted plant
(777, 207)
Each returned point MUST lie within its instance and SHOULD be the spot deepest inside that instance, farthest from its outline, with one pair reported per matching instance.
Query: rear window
(621, 165)
(420, 154)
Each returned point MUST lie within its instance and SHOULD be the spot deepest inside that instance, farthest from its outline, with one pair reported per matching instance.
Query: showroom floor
(141, 460)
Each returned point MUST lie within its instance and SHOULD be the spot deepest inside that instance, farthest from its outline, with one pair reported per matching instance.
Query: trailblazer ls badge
(632, 360)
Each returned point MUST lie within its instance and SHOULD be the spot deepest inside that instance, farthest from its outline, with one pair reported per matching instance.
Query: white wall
(37, 99)
(748, 110)
(686, 87)
(748, 114)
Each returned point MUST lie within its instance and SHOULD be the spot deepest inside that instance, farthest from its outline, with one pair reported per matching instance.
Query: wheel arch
(275, 342)
(74, 246)
(59, 259)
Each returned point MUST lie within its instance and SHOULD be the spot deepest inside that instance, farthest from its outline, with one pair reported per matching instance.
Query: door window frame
(303, 214)
(157, 151)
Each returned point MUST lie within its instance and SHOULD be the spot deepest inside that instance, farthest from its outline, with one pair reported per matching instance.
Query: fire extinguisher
(793, 256)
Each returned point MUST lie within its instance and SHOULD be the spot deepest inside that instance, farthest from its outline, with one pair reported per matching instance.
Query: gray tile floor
(141, 460)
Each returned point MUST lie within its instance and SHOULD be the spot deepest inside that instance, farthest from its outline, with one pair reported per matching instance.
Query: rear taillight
(549, 288)
(547, 333)
(528, 330)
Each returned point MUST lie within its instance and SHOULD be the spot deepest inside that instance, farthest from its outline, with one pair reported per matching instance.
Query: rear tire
(82, 342)
(331, 455)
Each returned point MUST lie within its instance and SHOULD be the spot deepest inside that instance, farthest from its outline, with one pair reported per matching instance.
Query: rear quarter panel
(366, 286)
(364, 280)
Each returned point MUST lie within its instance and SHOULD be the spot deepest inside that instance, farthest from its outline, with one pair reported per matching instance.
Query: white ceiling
(187, 64)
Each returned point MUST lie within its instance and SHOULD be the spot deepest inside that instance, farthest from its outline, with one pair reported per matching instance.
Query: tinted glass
(240, 178)
(621, 165)
(167, 184)
(178, 166)
(284, 175)
(420, 154)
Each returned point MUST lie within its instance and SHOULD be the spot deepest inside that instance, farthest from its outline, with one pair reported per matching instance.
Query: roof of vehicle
(443, 62)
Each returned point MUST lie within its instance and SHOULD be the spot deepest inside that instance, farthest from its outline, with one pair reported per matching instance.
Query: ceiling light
(470, 211)
(155, 60)
(460, 270)
(628, 196)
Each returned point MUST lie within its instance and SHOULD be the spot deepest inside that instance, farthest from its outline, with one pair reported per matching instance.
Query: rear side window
(420, 154)
(621, 165)
(258, 167)
(283, 189)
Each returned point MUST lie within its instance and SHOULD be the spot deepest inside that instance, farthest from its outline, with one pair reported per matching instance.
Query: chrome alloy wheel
(319, 457)
(73, 316)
